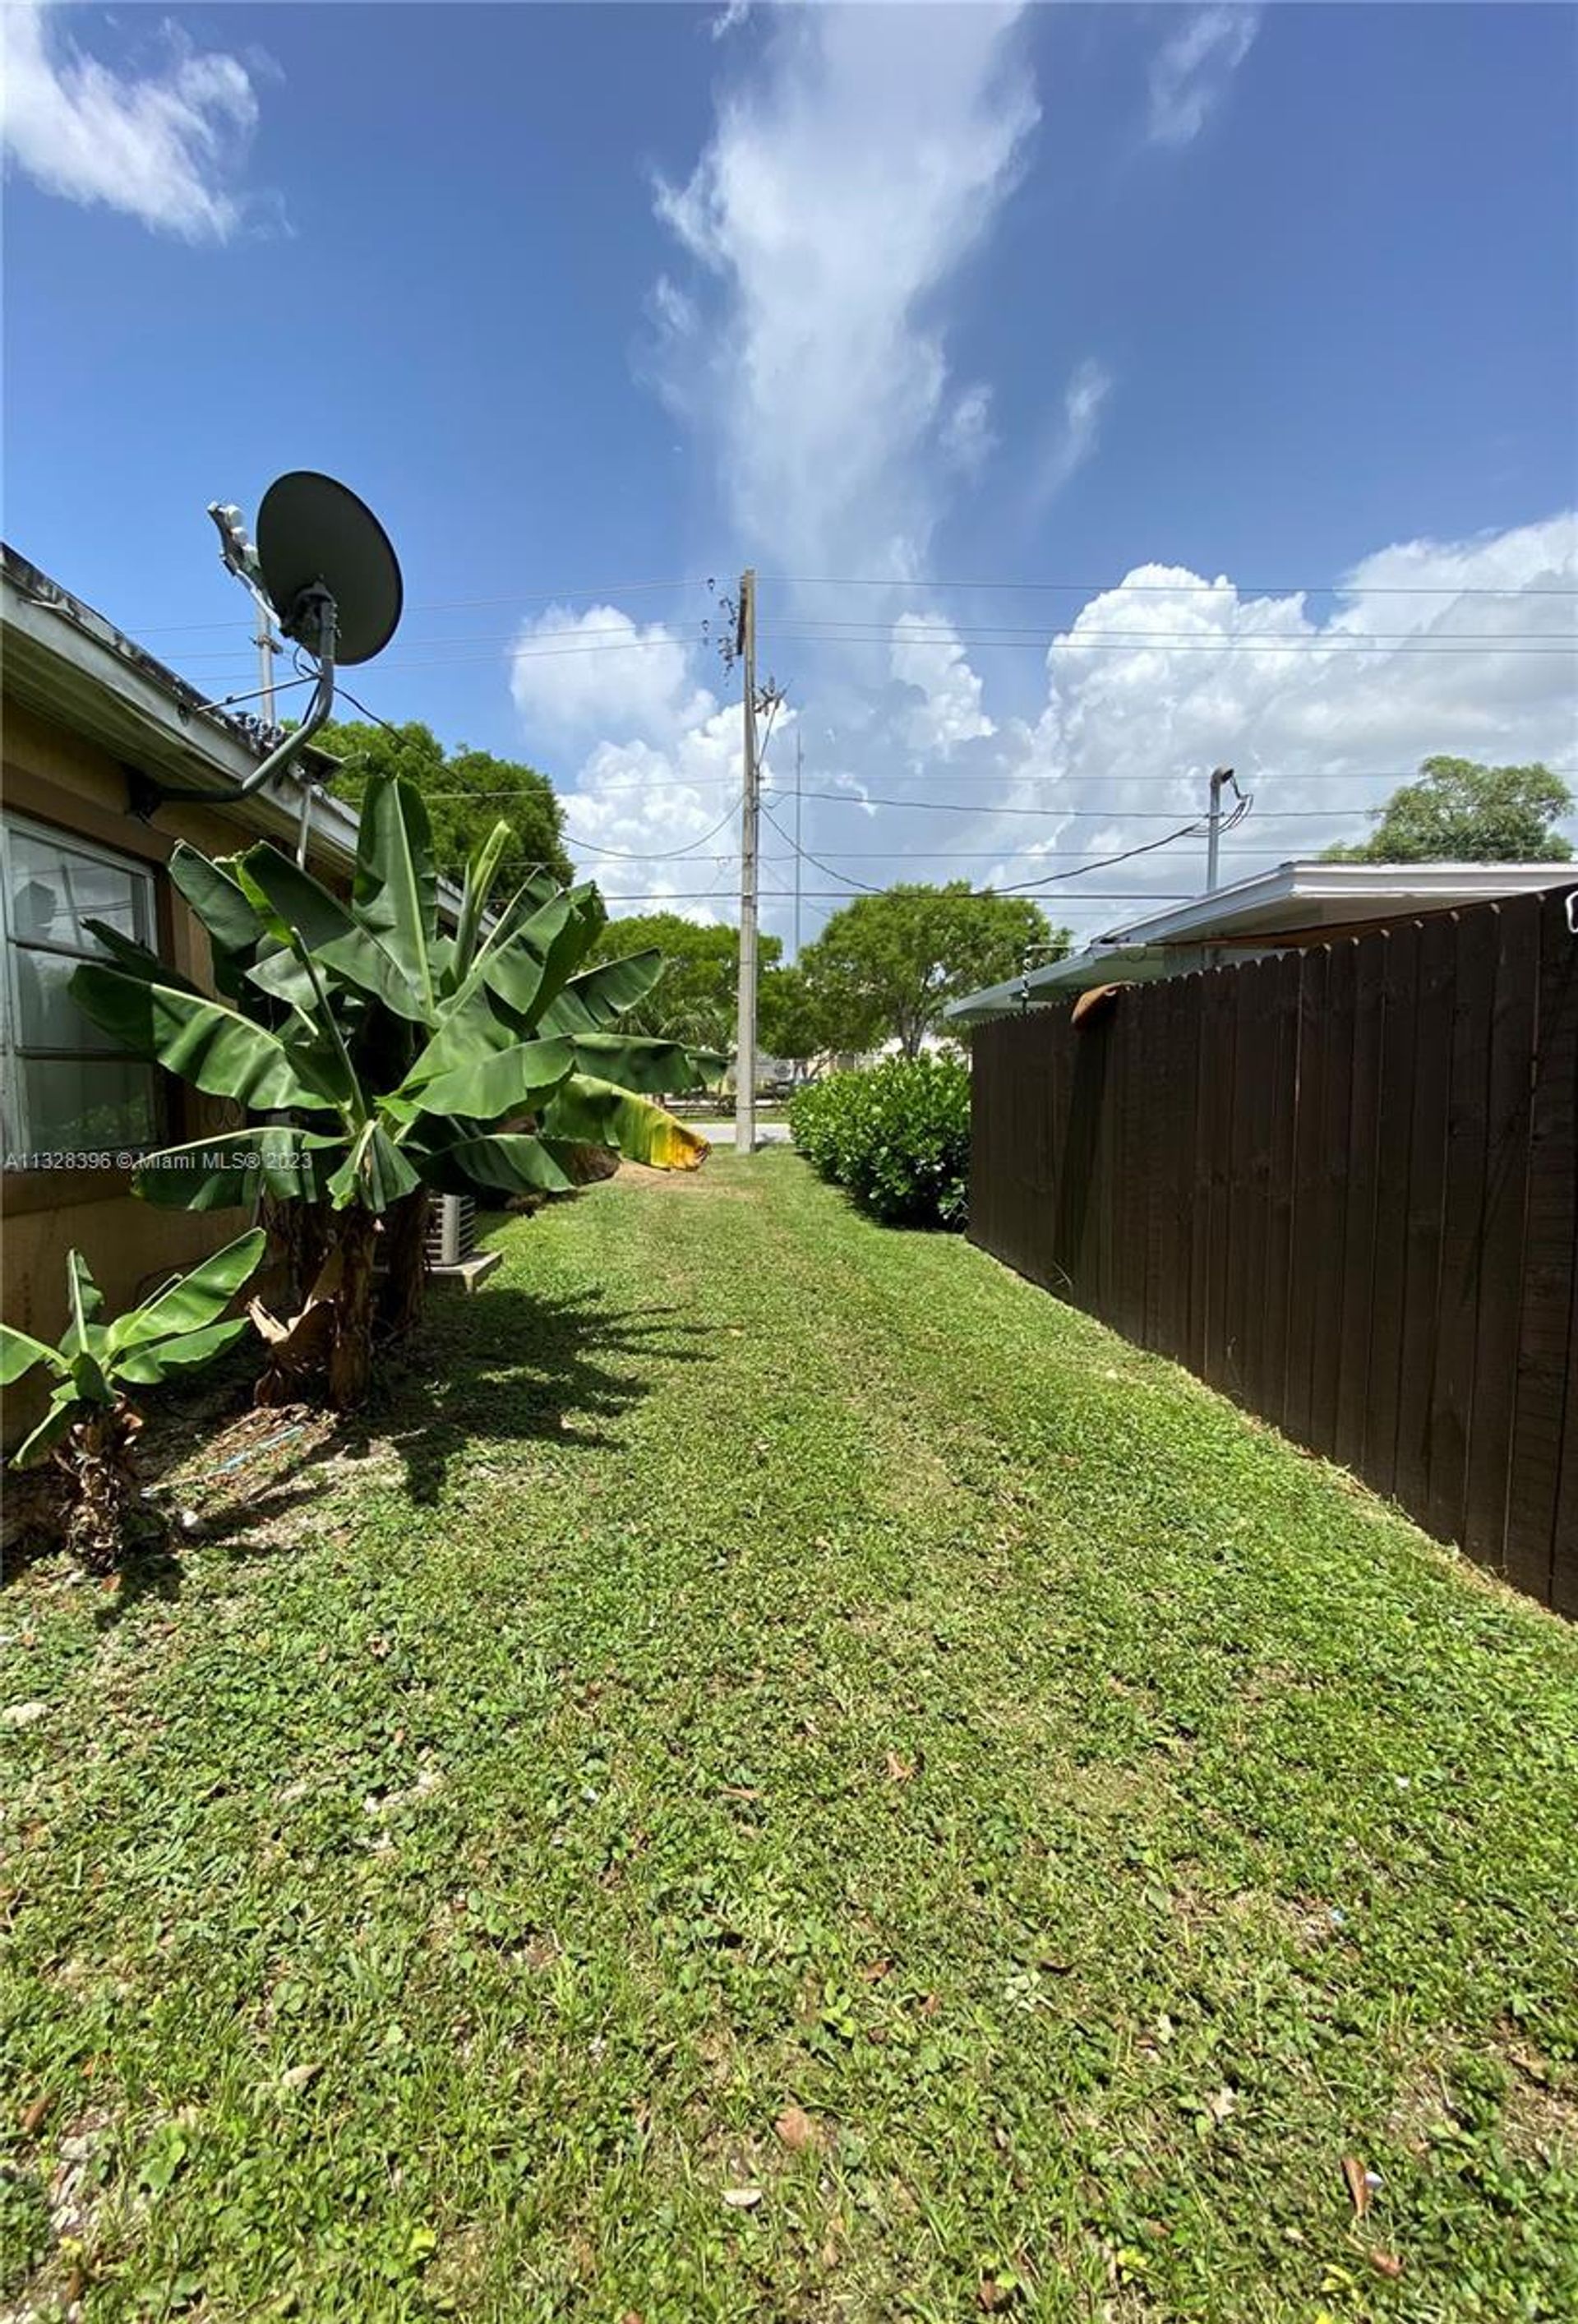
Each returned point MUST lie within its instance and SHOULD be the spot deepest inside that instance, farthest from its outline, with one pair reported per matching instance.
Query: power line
(536, 596)
(943, 632)
(645, 854)
(1084, 814)
(1301, 649)
(845, 895)
(1195, 829)
(1182, 588)
(1012, 855)
(427, 659)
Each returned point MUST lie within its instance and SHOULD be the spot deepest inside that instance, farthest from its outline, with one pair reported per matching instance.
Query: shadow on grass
(505, 1368)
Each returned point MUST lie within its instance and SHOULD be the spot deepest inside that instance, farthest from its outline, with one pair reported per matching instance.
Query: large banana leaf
(552, 940)
(193, 1301)
(214, 1173)
(518, 971)
(20, 1351)
(495, 1086)
(136, 959)
(145, 1367)
(318, 921)
(205, 1041)
(396, 892)
(588, 1112)
(648, 1067)
(591, 1001)
(509, 1162)
(469, 1031)
(219, 901)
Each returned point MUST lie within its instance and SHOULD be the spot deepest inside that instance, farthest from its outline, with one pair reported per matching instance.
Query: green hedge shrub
(896, 1135)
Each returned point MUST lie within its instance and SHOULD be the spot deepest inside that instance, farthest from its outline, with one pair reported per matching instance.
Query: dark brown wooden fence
(1342, 1187)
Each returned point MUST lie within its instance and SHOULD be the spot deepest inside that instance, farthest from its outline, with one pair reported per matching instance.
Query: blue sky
(583, 298)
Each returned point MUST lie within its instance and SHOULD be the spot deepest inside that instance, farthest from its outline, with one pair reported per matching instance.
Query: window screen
(69, 1088)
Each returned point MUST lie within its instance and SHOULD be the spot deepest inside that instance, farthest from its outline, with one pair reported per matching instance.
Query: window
(68, 1087)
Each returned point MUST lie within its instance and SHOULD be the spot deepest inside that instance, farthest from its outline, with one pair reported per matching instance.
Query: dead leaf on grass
(1221, 2105)
(873, 1971)
(1358, 2184)
(900, 1770)
(1385, 2262)
(32, 2116)
(795, 2127)
(297, 2077)
(742, 2199)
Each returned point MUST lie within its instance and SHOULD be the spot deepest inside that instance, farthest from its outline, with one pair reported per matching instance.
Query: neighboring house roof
(72, 665)
(1298, 903)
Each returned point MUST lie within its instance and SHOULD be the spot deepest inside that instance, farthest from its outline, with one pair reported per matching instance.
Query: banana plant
(389, 1058)
(90, 1426)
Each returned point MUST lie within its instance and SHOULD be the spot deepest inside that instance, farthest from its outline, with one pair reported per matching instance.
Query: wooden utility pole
(744, 1058)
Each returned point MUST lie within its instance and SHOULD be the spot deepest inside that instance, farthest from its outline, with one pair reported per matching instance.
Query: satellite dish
(315, 533)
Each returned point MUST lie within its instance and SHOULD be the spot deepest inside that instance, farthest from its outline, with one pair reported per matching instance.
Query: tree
(789, 1020)
(388, 1060)
(887, 966)
(1461, 812)
(465, 792)
(695, 999)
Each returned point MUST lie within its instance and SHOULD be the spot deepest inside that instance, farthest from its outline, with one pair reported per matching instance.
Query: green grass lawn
(786, 1775)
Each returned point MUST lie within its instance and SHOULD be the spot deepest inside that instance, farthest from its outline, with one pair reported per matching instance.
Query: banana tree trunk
(327, 1344)
(405, 1259)
(351, 1331)
(103, 1487)
(302, 1232)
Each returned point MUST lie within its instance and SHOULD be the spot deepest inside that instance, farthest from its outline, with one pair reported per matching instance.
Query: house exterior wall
(57, 779)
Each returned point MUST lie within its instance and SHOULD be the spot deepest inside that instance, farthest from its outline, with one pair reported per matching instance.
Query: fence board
(1273, 1396)
(1331, 1199)
(1542, 1522)
(1359, 1200)
(1499, 1260)
(1313, 1045)
(1344, 1184)
(1426, 1187)
(1394, 1134)
(1220, 1035)
(1245, 1190)
(1457, 1314)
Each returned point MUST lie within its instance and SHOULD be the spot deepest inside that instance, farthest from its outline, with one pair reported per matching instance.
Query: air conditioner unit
(452, 1230)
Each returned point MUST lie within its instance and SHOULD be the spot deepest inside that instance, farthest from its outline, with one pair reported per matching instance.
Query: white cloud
(599, 671)
(842, 191)
(1190, 72)
(928, 659)
(1323, 707)
(727, 18)
(966, 436)
(1074, 439)
(656, 811)
(163, 147)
